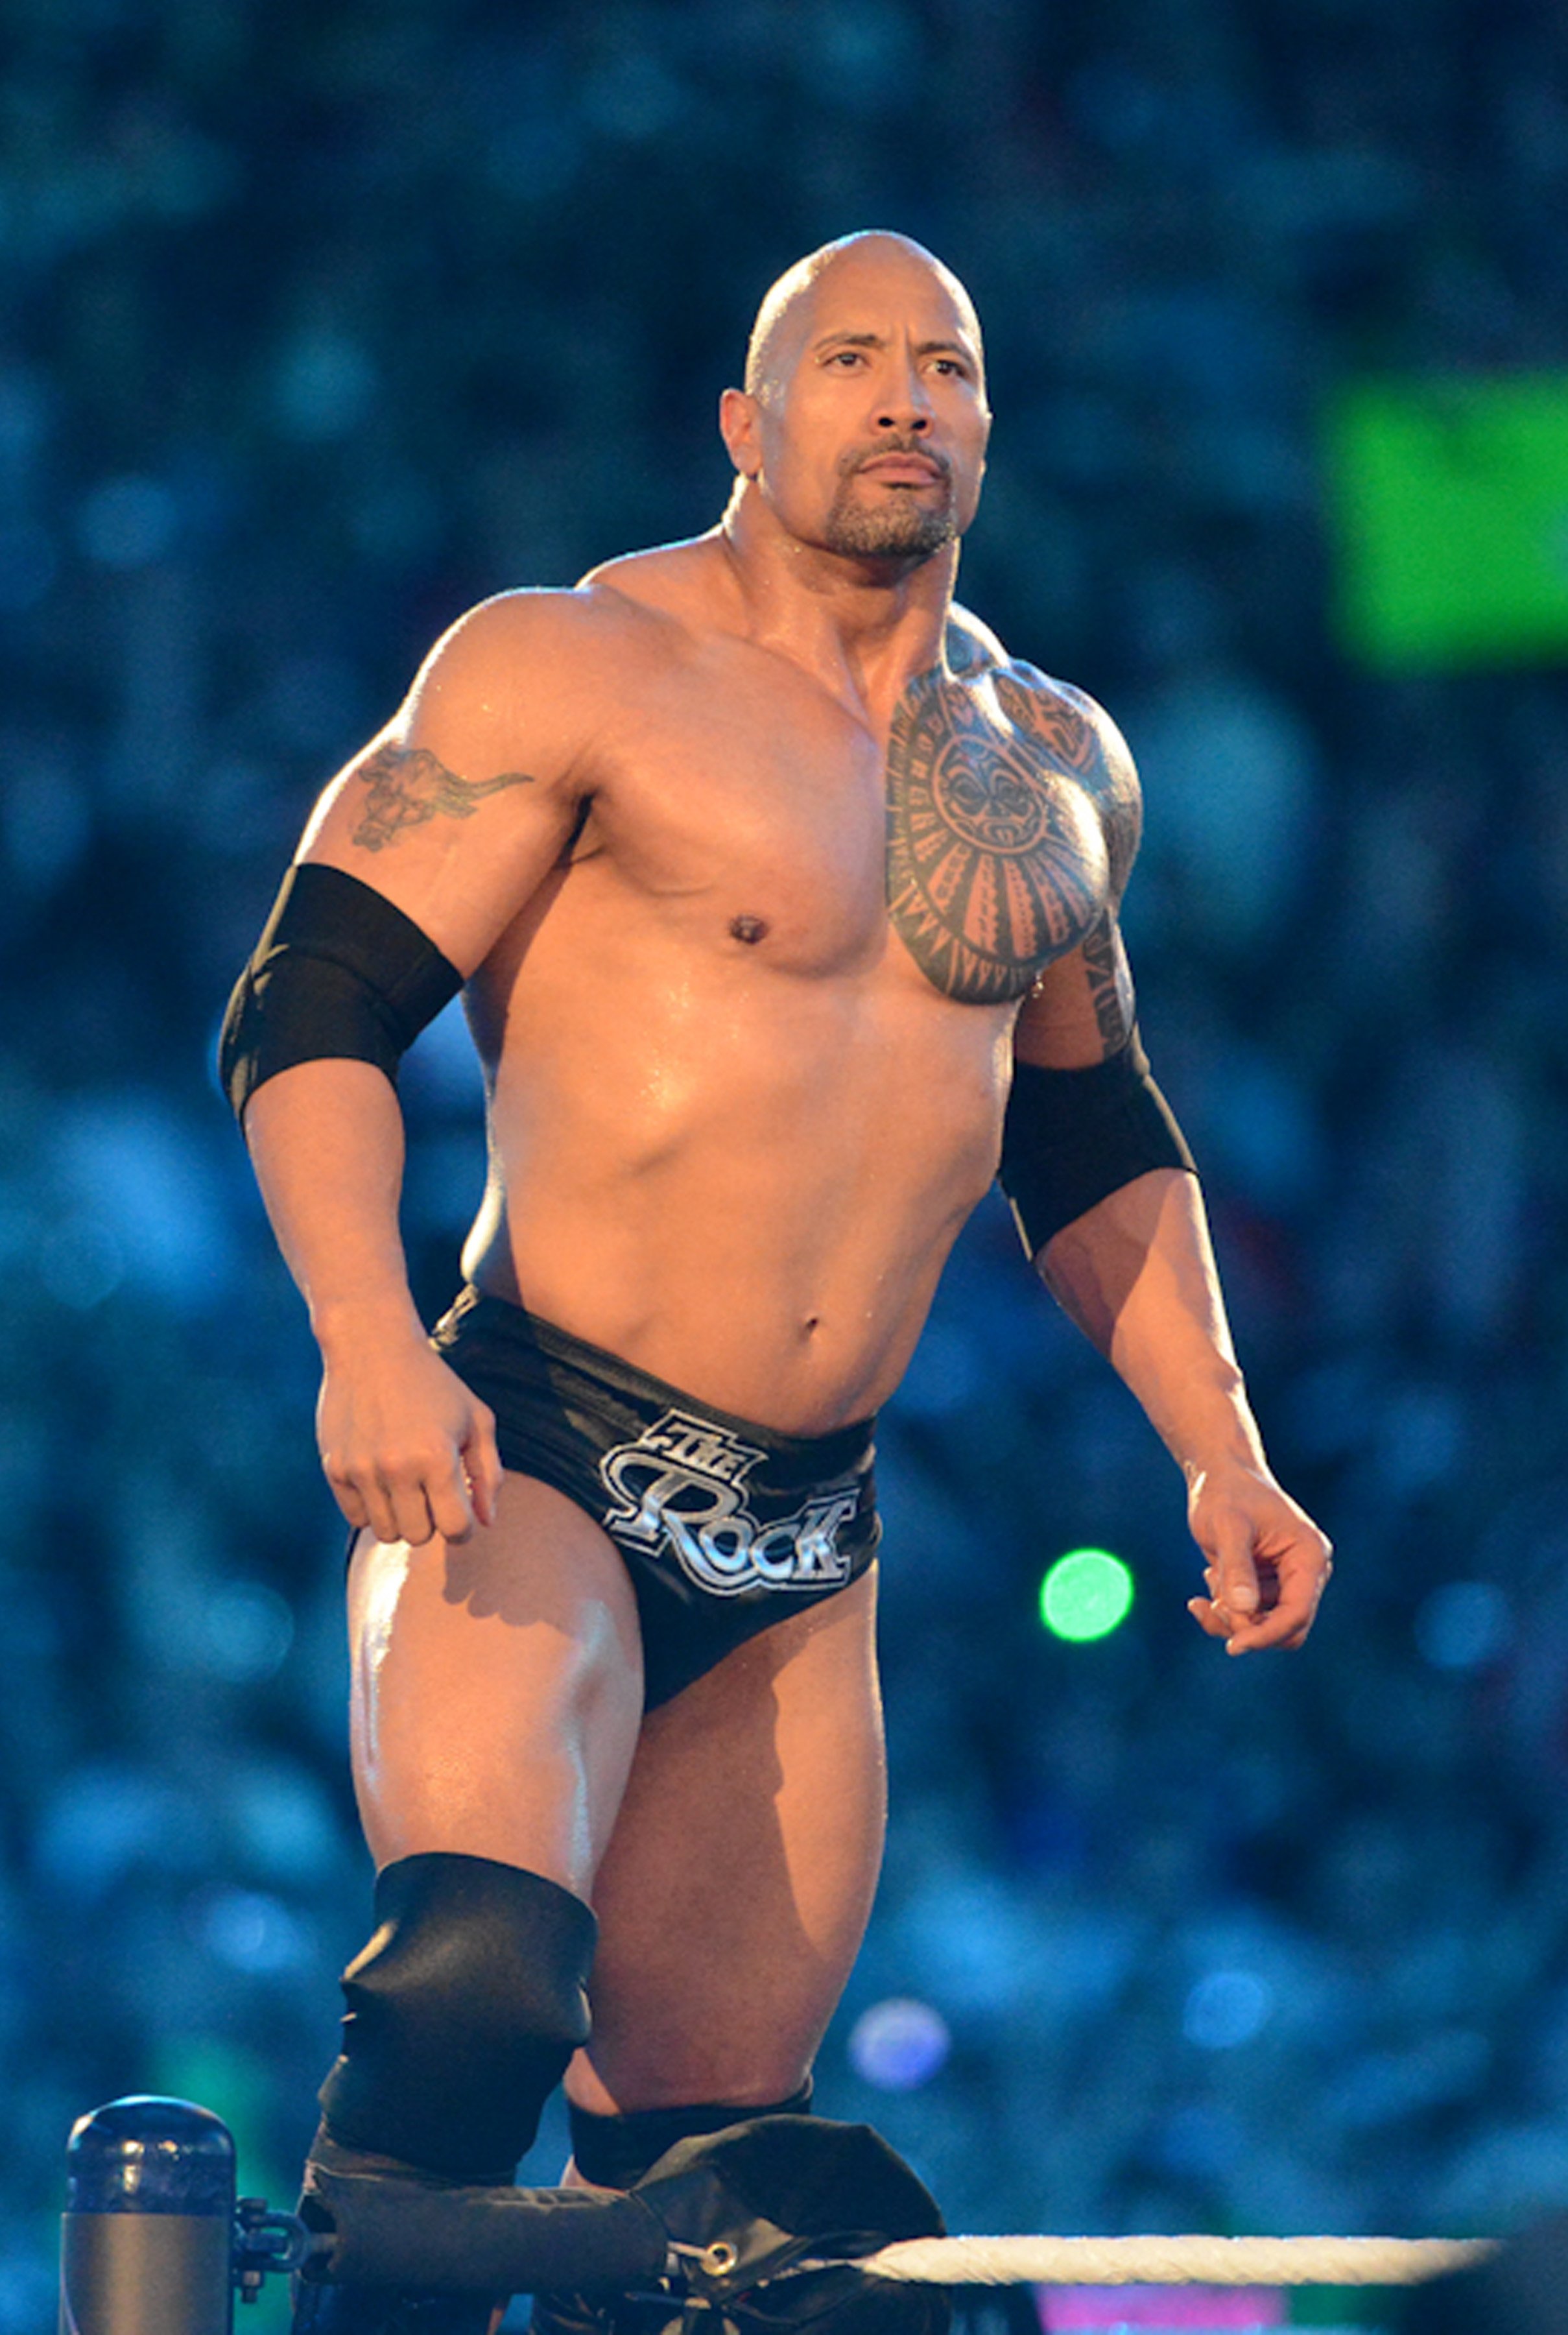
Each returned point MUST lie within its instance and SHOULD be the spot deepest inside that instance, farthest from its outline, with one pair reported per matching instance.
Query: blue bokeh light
(899, 2044)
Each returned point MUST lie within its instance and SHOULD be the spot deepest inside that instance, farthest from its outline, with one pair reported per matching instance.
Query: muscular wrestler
(784, 903)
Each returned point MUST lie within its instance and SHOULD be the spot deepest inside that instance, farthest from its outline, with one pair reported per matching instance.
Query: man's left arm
(1109, 1205)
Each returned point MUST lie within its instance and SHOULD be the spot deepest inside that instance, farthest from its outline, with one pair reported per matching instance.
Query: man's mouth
(896, 470)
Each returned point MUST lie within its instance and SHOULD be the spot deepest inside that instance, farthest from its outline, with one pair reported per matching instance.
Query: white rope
(1173, 2261)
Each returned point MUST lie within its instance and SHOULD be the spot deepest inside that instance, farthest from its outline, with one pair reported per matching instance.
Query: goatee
(902, 524)
(900, 530)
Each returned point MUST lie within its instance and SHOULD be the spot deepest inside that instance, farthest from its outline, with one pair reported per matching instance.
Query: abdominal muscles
(748, 1186)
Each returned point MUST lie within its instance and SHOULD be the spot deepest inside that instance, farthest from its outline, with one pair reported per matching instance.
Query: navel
(749, 929)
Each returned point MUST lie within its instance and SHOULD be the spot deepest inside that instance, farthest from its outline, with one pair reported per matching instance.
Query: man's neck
(863, 627)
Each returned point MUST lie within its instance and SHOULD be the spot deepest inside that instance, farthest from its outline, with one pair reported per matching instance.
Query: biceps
(458, 851)
(1081, 1008)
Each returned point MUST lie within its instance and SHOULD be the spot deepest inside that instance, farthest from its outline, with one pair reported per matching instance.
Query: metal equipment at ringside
(156, 2243)
(153, 2240)
(771, 2224)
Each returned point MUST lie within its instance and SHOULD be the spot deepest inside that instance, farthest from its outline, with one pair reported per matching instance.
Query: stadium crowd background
(320, 322)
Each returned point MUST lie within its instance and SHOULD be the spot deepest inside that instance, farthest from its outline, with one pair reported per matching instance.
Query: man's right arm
(405, 1447)
(442, 828)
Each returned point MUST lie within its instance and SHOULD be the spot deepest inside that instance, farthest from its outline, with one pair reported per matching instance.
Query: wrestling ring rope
(1173, 2261)
(155, 2241)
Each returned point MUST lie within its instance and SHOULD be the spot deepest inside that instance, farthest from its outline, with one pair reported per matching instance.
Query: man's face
(869, 434)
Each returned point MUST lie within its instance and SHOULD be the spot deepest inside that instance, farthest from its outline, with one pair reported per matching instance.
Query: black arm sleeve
(338, 974)
(1072, 1137)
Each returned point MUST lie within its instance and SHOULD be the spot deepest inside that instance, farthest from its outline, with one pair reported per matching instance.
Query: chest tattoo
(1002, 831)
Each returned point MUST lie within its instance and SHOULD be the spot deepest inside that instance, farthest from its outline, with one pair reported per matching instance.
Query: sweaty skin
(749, 1182)
(762, 862)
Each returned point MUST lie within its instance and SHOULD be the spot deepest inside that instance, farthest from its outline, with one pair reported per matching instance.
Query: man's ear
(737, 425)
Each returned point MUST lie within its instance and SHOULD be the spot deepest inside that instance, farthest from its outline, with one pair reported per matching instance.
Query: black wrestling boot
(613, 2152)
(785, 2204)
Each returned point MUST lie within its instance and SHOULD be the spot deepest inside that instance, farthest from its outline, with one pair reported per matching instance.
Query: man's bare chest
(980, 833)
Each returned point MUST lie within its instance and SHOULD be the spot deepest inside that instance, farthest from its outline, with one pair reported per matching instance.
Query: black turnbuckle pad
(377, 2230)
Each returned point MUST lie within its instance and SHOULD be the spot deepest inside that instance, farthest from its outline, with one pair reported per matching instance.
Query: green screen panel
(1449, 503)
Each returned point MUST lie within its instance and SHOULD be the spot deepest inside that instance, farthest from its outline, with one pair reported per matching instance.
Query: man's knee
(463, 2011)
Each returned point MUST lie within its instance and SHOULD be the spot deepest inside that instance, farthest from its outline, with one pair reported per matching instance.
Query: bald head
(783, 320)
(862, 427)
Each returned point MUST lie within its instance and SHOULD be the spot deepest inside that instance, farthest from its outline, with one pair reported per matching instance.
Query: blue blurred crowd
(320, 322)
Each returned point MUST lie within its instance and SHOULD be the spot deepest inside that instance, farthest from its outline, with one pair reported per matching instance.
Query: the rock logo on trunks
(682, 1482)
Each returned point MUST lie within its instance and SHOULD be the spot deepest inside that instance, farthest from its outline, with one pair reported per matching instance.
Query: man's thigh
(497, 1690)
(736, 1887)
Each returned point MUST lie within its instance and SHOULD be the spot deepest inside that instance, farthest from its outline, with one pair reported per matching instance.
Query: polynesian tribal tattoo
(1010, 833)
(408, 786)
(1110, 984)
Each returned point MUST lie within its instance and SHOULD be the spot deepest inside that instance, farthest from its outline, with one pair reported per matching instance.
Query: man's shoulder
(566, 629)
(1040, 700)
(536, 673)
(525, 678)
(970, 647)
(639, 605)
(673, 584)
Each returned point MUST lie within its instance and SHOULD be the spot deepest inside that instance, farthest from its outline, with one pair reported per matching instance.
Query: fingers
(415, 1499)
(462, 1489)
(1239, 1594)
(1267, 1563)
(1248, 1633)
(391, 1501)
(1301, 1571)
(421, 1467)
(1290, 1589)
(483, 1461)
(1232, 1573)
(360, 1498)
(446, 1497)
(1209, 1618)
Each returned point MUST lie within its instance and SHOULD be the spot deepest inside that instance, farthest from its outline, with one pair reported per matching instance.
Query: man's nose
(904, 404)
(912, 418)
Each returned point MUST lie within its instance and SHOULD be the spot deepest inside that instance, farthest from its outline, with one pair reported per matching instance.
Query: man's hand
(408, 1449)
(1267, 1563)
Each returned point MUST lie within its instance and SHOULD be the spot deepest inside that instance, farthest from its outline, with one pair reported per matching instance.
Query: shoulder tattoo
(1000, 851)
(407, 785)
(1075, 735)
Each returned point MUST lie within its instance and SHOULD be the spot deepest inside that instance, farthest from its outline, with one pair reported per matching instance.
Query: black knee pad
(463, 2011)
(614, 2151)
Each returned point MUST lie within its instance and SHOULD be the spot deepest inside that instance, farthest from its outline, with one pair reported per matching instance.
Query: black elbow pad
(338, 974)
(1072, 1137)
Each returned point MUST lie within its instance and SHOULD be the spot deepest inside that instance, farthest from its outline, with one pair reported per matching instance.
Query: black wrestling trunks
(725, 1527)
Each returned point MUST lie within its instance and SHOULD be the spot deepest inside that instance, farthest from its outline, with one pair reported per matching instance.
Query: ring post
(149, 2220)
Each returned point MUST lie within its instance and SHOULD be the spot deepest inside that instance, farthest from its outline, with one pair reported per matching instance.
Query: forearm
(1136, 1274)
(326, 1143)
